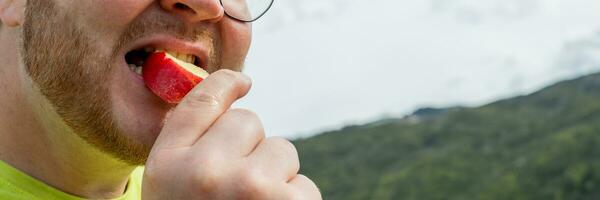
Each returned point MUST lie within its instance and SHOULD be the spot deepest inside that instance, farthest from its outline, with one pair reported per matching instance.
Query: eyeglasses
(246, 10)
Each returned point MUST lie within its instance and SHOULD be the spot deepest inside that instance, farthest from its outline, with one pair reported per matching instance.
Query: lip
(172, 44)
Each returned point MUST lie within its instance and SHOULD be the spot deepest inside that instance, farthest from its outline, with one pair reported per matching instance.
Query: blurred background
(434, 99)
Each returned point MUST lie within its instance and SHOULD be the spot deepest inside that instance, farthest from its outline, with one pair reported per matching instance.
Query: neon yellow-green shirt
(17, 185)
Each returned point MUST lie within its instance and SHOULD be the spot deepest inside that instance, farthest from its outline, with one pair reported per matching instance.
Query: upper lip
(174, 44)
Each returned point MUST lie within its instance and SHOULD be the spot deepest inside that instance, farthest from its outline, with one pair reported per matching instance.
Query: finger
(305, 187)
(236, 133)
(201, 107)
(277, 157)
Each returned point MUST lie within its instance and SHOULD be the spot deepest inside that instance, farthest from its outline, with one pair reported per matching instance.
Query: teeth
(174, 54)
(190, 59)
(136, 69)
(193, 59)
(181, 56)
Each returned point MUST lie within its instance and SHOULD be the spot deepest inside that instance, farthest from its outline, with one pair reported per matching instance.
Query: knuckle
(315, 190)
(307, 180)
(238, 79)
(309, 189)
(247, 116)
(200, 98)
(283, 144)
(248, 121)
(285, 149)
(206, 181)
(288, 151)
(227, 74)
(245, 79)
(244, 113)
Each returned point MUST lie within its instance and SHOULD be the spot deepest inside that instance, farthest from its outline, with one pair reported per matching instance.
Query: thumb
(201, 108)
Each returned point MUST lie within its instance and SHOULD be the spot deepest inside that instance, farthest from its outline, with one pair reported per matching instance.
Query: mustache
(162, 23)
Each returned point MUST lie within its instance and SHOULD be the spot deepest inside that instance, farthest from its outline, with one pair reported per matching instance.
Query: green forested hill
(541, 146)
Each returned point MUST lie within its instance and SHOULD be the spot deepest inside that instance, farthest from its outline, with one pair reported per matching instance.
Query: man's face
(75, 51)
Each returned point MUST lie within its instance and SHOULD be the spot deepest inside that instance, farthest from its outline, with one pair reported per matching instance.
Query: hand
(208, 151)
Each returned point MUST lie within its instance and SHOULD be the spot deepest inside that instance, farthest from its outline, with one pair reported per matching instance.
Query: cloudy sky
(318, 65)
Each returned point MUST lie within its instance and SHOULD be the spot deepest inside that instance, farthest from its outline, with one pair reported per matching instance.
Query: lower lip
(135, 75)
(138, 86)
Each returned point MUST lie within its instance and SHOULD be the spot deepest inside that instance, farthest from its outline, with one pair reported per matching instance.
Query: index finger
(201, 108)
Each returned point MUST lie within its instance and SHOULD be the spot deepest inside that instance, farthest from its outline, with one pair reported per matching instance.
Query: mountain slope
(545, 145)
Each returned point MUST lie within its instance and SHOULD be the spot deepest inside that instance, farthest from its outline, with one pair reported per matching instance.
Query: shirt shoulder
(9, 191)
(17, 185)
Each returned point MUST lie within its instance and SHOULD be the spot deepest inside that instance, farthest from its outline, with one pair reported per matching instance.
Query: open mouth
(135, 59)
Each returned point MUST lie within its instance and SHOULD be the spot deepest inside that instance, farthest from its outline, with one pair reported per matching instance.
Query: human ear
(12, 12)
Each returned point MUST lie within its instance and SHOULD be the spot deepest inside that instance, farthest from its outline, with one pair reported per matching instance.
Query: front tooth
(192, 59)
(179, 56)
(183, 57)
(172, 53)
(138, 70)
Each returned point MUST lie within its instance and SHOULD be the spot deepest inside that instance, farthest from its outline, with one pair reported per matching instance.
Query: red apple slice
(170, 78)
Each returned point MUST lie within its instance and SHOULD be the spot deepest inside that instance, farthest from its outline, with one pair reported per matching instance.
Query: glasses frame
(246, 21)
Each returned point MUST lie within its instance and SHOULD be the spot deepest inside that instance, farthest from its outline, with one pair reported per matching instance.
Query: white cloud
(320, 64)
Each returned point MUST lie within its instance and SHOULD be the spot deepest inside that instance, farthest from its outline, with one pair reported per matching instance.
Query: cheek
(235, 41)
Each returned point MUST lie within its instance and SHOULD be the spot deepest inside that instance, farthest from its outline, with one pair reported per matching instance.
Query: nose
(195, 11)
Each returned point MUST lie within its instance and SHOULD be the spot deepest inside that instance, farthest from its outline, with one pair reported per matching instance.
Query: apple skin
(168, 79)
